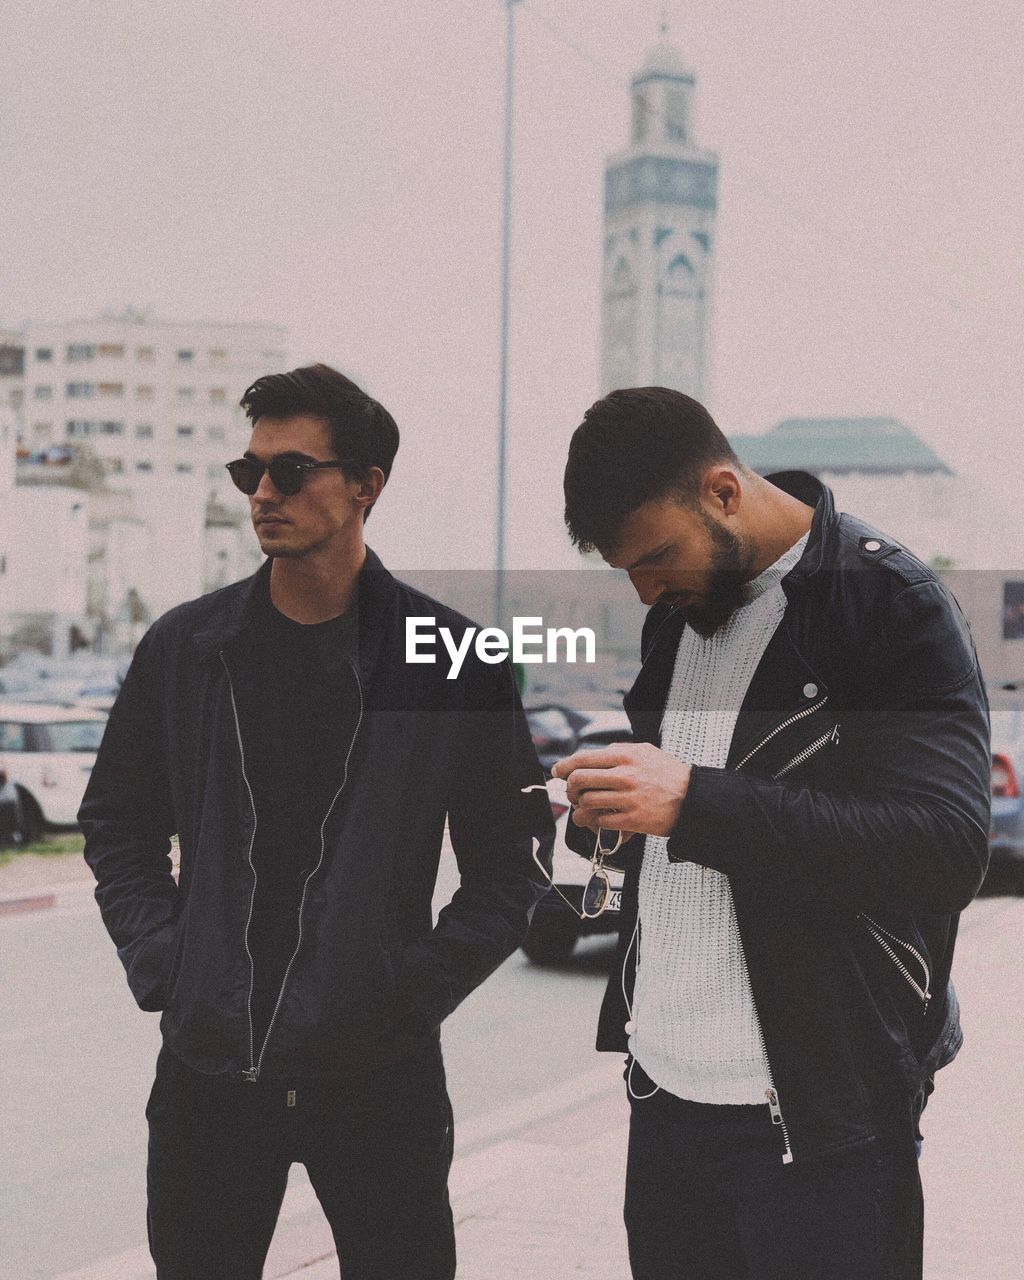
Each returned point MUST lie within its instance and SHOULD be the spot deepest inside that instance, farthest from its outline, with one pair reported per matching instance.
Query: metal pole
(506, 251)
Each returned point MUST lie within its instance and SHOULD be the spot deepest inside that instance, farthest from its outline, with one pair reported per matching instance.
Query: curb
(45, 896)
(28, 902)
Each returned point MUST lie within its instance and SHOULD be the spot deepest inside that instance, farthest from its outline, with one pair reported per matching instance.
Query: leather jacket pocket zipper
(811, 749)
(888, 942)
(793, 719)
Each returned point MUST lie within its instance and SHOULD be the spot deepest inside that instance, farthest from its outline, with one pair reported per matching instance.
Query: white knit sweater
(695, 1029)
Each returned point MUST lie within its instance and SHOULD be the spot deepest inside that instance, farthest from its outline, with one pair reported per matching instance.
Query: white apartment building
(151, 398)
(11, 394)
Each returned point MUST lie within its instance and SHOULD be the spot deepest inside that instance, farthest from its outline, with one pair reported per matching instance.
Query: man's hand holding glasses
(626, 788)
(629, 786)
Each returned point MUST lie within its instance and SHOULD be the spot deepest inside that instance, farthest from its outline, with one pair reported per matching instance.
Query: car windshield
(550, 723)
(73, 735)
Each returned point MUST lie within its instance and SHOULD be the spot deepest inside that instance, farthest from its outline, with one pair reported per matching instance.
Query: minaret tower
(659, 216)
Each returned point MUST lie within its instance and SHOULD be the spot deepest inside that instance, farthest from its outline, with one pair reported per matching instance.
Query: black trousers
(378, 1152)
(708, 1198)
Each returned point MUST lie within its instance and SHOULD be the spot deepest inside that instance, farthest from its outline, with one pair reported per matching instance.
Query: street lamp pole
(506, 250)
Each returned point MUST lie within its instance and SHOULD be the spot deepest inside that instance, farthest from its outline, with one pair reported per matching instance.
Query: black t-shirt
(298, 706)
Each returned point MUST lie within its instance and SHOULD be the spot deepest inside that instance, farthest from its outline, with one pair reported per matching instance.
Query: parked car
(48, 751)
(1006, 839)
(603, 728)
(553, 729)
(10, 812)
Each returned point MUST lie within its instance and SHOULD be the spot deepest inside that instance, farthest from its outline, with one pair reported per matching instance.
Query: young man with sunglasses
(308, 772)
(809, 785)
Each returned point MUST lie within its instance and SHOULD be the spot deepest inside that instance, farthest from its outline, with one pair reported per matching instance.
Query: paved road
(77, 1057)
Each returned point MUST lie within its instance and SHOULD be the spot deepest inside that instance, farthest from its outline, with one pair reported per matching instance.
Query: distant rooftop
(870, 446)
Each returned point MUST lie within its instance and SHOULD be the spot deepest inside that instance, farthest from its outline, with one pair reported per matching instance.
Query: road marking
(35, 902)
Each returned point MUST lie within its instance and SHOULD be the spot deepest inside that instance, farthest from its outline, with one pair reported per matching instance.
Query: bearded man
(809, 793)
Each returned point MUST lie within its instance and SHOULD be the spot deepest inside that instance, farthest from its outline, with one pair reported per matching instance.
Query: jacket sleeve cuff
(713, 810)
(147, 963)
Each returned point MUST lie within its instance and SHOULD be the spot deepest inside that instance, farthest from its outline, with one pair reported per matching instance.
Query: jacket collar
(809, 489)
(376, 593)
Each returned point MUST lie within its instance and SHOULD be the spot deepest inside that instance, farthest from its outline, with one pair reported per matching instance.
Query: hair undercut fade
(360, 428)
(636, 446)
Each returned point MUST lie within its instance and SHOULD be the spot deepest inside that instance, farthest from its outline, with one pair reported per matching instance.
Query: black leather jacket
(852, 819)
(370, 975)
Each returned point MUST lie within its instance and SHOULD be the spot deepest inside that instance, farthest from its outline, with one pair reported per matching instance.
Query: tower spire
(660, 201)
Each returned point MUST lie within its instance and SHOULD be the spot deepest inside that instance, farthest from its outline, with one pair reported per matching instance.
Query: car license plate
(614, 900)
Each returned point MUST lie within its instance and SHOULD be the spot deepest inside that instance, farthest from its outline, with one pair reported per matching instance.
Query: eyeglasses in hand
(597, 891)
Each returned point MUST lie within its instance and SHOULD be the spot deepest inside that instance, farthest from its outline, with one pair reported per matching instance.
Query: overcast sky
(336, 167)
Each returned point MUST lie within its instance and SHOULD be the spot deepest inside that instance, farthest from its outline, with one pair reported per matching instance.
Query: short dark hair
(360, 427)
(632, 447)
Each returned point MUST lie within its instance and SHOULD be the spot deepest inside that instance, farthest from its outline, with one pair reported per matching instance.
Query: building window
(112, 428)
(78, 427)
(144, 354)
(113, 465)
(184, 468)
(217, 395)
(80, 351)
(42, 430)
(184, 357)
(43, 393)
(143, 466)
(44, 353)
(642, 116)
(111, 388)
(186, 431)
(80, 390)
(217, 355)
(12, 735)
(186, 393)
(144, 431)
(215, 433)
(144, 393)
(675, 115)
(114, 349)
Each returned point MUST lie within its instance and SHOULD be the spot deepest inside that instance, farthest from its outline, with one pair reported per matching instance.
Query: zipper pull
(776, 1114)
(835, 735)
(251, 1074)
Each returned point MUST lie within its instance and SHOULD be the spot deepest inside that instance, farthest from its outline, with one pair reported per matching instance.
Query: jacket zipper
(808, 751)
(884, 938)
(252, 1072)
(799, 715)
(771, 1093)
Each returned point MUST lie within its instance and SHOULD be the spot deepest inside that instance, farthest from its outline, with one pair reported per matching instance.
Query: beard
(727, 574)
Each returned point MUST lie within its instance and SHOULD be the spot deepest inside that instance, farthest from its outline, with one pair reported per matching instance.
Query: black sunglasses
(286, 474)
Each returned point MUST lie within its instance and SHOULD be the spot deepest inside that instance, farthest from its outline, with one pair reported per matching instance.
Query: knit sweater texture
(695, 1028)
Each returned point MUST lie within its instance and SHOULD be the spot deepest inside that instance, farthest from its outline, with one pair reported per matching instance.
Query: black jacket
(852, 820)
(371, 974)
